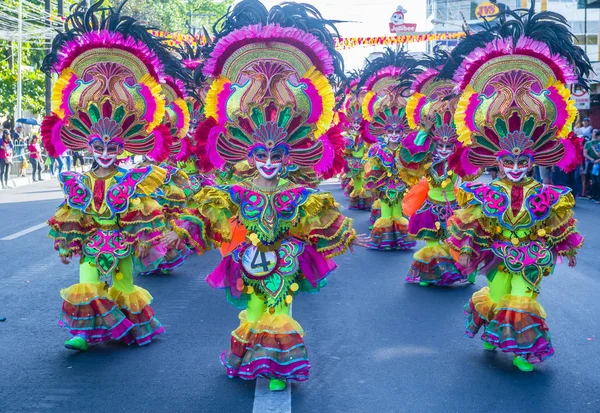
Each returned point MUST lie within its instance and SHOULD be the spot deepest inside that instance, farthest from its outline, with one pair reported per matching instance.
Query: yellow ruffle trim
(411, 109)
(83, 292)
(484, 304)
(325, 91)
(57, 97)
(565, 93)
(154, 179)
(183, 131)
(268, 323)
(365, 105)
(463, 131)
(523, 304)
(346, 241)
(134, 302)
(156, 92)
(212, 98)
(429, 252)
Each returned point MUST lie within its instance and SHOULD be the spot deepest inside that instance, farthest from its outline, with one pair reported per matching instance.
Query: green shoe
(489, 347)
(522, 364)
(276, 385)
(424, 284)
(76, 343)
(471, 277)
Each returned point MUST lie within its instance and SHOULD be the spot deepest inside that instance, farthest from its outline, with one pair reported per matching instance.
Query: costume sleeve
(143, 221)
(208, 224)
(69, 228)
(373, 174)
(172, 195)
(323, 225)
(468, 232)
(561, 230)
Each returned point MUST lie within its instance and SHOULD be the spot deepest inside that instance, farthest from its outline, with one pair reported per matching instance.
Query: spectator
(591, 153)
(67, 156)
(59, 163)
(77, 158)
(6, 151)
(585, 130)
(35, 157)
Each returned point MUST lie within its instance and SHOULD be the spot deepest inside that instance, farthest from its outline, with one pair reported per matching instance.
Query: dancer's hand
(572, 260)
(464, 260)
(170, 239)
(361, 240)
(64, 259)
(142, 251)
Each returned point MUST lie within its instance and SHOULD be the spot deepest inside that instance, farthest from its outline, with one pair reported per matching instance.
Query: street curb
(15, 182)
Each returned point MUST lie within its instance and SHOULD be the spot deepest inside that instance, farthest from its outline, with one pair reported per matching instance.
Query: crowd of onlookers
(18, 152)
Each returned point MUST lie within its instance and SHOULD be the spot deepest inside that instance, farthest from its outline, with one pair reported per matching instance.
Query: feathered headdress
(108, 88)
(177, 117)
(270, 87)
(514, 80)
(384, 104)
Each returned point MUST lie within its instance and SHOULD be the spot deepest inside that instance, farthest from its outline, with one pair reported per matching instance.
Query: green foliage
(173, 16)
(33, 79)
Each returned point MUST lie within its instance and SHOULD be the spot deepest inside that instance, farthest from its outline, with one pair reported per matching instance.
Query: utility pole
(48, 79)
(20, 61)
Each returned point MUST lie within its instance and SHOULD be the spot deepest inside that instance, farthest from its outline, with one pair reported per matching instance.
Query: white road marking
(267, 401)
(24, 232)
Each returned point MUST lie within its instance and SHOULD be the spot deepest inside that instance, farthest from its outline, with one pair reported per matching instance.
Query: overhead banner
(342, 43)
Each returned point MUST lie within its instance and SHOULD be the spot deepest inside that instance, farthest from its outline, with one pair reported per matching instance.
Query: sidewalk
(17, 181)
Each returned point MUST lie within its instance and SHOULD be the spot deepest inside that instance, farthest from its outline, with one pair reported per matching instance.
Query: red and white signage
(397, 24)
(581, 97)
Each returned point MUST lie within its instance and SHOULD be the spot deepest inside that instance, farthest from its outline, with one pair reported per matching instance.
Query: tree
(178, 16)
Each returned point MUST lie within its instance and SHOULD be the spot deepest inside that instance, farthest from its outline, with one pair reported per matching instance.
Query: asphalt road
(376, 344)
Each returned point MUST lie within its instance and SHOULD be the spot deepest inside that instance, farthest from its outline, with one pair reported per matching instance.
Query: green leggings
(391, 211)
(503, 283)
(89, 274)
(257, 308)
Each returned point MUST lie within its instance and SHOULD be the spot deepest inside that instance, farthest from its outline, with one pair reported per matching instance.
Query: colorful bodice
(517, 207)
(521, 236)
(355, 144)
(105, 197)
(268, 213)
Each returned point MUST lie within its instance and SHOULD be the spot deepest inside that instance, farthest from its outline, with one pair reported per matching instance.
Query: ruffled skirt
(390, 234)
(434, 264)
(270, 347)
(98, 314)
(515, 324)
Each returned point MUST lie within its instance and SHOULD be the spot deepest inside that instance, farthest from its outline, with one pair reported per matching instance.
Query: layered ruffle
(375, 213)
(70, 228)
(143, 221)
(391, 234)
(434, 264)
(88, 312)
(136, 306)
(515, 325)
(271, 347)
(429, 222)
(479, 311)
(519, 327)
(324, 226)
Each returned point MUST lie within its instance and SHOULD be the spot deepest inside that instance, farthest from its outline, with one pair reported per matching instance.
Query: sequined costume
(386, 176)
(276, 241)
(174, 193)
(516, 110)
(429, 204)
(107, 95)
(355, 146)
